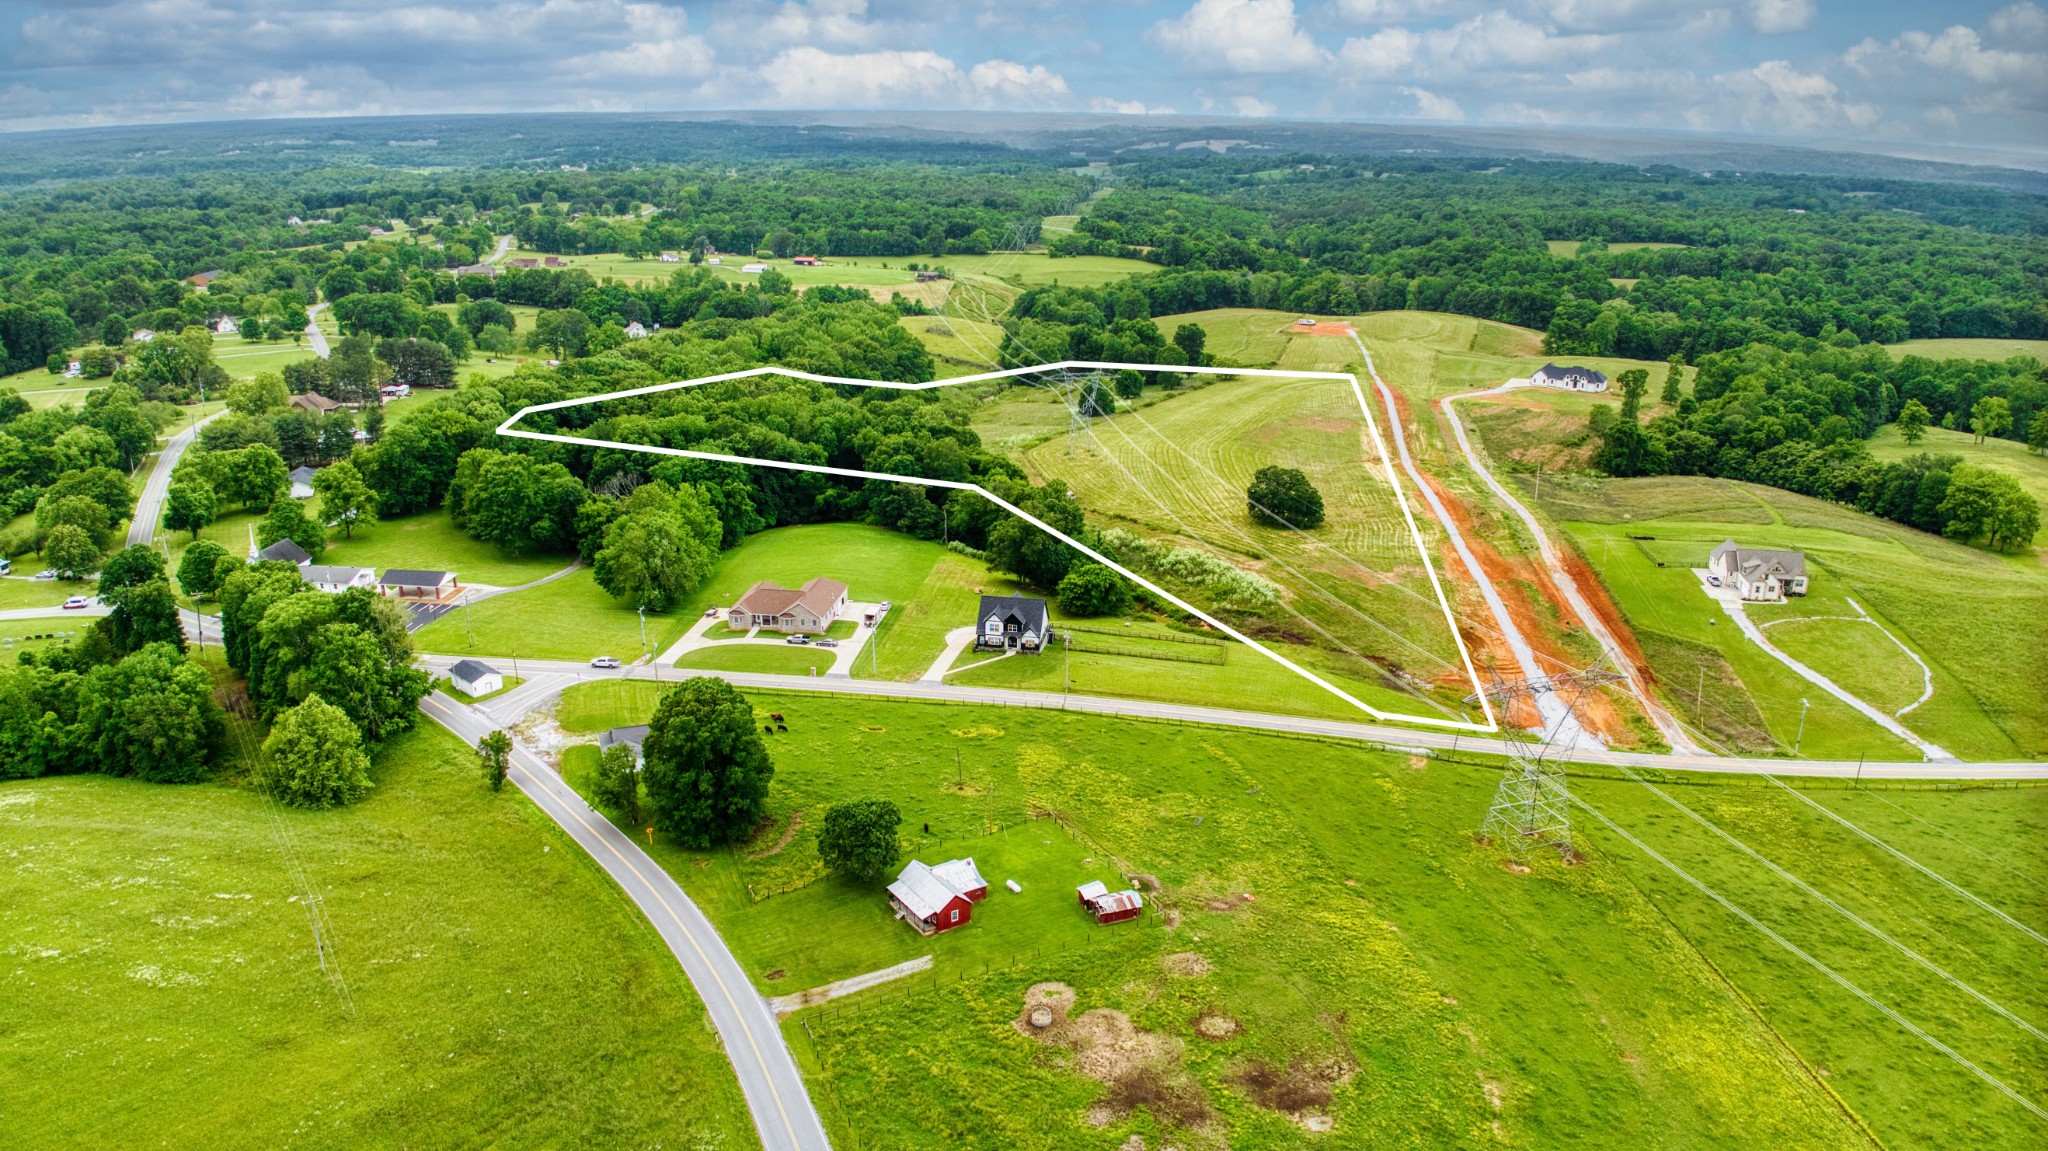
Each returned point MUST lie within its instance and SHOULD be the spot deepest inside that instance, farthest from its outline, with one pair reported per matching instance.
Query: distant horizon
(1888, 76)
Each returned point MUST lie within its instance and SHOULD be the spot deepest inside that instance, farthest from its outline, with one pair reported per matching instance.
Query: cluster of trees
(122, 699)
(1798, 420)
(703, 767)
(70, 466)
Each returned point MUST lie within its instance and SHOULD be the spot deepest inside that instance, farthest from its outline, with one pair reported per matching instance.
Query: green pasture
(1989, 678)
(19, 591)
(569, 618)
(1569, 249)
(960, 346)
(1456, 1002)
(430, 541)
(779, 659)
(487, 984)
(1958, 348)
(2010, 457)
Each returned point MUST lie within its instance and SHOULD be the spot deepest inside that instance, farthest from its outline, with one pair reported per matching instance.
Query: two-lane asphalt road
(150, 508)
(768, 1076)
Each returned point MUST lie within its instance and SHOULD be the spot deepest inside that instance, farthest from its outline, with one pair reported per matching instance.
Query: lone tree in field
(1191, 339)
(858, 840)
(617, 786)
(1283, 498)
(704, 765)
(494, 755)
(314, 757)
(1912, 421)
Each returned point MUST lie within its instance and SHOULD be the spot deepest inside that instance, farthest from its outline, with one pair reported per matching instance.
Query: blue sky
(1891, 72)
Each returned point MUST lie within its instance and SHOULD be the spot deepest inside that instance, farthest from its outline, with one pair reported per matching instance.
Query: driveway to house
(1731, 602)
(150, 507)
(1674, 733)
(563, 674)
(316, 338)
(1560, 726)
(849, 649)
(957, 641)
(781, 1107)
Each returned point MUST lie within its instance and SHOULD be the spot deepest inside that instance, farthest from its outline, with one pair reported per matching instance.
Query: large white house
(1760, 575)
(1571, 378)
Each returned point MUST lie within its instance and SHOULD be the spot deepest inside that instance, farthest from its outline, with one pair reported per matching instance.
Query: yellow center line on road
(754, 1046)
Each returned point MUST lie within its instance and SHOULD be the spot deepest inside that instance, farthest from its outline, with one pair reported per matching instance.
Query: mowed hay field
(1972, 615)
(1956, 348)
(2009, 457)
(1177, 470)
(1386, 975)
(493, 989)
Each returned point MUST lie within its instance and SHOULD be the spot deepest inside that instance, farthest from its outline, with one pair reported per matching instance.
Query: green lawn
(491, 986)
(511, 681)
(569, 618)
(776, 659)
(1461, 1004)
(1988, 677)
(1569, 249)
(18, 591)
(2010, 457)
(431, 541)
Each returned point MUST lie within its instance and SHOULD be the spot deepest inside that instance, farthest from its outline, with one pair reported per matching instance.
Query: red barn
(929, 903)
(962, 876)
(1110, 906)
(804, 261)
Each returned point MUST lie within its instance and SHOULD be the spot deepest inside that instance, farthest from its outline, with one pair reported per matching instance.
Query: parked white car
(77, 601)
(798, 639)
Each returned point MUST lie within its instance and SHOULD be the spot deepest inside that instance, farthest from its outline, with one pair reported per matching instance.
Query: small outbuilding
(410, 583)
(302, 482)
(926, 900)
(755, 269)
(804, 261)
(285, 550)
(636, 331)
(315, 403)
(474, 678)
(1109, 906)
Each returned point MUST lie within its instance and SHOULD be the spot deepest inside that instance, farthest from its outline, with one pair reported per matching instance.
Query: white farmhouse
(1760, 575)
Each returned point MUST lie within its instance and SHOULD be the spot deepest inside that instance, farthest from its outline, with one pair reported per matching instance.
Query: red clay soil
(1596, 594)
(1327, 328)
(1596, 712)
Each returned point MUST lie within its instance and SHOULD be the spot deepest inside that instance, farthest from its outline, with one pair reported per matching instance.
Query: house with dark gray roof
(1012, 623)
(1572, 378)
(473, 677)
(632, 736)
(285, 550)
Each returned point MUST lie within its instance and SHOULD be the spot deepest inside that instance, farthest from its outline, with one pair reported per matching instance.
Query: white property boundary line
(1407, 514)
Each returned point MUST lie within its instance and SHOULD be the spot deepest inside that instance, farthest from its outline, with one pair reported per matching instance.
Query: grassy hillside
(1971, 349)
(2008, 456)
(1332, 945)
(1969, 613)
(486, 985)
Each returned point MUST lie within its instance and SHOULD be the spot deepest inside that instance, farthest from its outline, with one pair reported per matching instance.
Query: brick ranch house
(809, 608)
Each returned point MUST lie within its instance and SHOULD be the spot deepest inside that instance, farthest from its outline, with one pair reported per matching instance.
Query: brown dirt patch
(1326, 425)
(776, 975)
(1186, 964)
(1141, 1068)
(1216, 1025)
(796, 822)
(1298, 1089)
(1148, 882)
(1324, 328)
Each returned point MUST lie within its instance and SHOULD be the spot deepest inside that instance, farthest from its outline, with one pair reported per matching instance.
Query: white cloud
(2022, 24)
(841, 22)
(813, 78)
(1387, 50)
(1107, 106)
(1430, 106)
(1253, 106)
(1241, 35)
(1498, 40)
(1774, 16)
(1776, 96)
(1391, 11)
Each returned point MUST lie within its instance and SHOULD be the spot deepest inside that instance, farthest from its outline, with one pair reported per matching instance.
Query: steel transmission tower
(1532, 807)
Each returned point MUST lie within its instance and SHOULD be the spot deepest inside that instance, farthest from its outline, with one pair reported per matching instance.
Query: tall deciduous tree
(706, 770)
(1990, 416)
(1913, 421)
(859, 839)
(286, 519)
(1191, 339)
(344, 497)
(71, 551)
(616, 786)
(199, 568)
(190, 505)
(314, 757)
(153, 716)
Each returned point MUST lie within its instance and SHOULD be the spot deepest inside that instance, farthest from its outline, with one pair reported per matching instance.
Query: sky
(1960, 73)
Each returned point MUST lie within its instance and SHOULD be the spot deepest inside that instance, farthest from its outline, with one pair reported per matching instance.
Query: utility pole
(643, 631)
(1801, 737)
(466, 624)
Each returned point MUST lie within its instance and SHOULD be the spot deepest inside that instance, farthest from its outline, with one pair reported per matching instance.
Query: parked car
(710, 613)
(1715, 580)
(46, 573)
(77, 601)
(798, 639)
(605, 661)
(824, 643)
